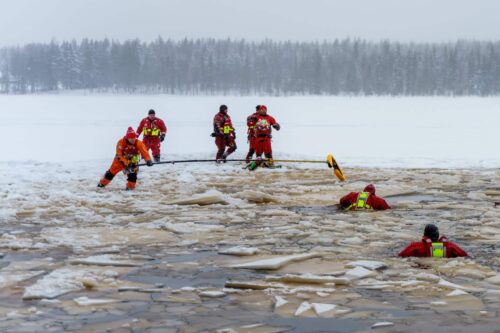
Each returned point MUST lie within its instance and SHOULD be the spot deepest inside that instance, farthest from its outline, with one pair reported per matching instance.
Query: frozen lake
(359, 131)
(176, 254)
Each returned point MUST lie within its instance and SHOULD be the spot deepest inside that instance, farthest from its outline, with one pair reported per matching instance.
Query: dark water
(319, 325)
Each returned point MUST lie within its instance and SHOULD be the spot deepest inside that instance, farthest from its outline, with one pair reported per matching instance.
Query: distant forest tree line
(209, 66)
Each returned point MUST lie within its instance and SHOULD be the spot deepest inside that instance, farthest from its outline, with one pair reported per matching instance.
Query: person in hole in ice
(433, 246)
(363, 200)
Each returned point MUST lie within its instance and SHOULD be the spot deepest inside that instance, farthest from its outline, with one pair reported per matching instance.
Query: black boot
(156, 158)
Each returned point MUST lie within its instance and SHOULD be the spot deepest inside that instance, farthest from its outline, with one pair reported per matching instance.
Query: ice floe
(211, 197)
(107, 260)
(303, 307)
(275, 263)
(62, 281)
(368, 264)
(279, 301)
(359, 273)
(321, 308)
(308, 279)
(212, 293)
(383, 324)
(85, 301)
(255, 196)
(240, 251)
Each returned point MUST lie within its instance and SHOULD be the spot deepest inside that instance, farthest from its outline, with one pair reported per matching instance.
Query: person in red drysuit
(128, 150)
(153, 133)
(433, 246)
(251, 121)
(224, 134)
(262, 132)
(363, 200)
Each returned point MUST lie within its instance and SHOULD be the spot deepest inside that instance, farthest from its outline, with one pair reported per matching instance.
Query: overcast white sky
(24, 21)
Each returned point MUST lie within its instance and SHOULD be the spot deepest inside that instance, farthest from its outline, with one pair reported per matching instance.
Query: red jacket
(223, 124)
(423, 248)
(251, 121)
(373, 201)
(125, 151)
(154, 128)
(263, 125)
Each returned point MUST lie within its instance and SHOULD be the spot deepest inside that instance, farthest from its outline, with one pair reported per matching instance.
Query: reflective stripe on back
(362, 198)
(438, 250)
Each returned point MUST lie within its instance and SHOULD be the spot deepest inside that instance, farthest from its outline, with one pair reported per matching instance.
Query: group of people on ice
(260, 126)
(130, 149)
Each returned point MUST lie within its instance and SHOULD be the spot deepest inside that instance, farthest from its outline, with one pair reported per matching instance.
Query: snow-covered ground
(205, 247)
(363, 131)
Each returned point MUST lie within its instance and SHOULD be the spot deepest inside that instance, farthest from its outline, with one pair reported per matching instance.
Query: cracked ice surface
(170, 258)
(158, 252)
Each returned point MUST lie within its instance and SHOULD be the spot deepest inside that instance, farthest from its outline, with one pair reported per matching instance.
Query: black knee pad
(108, 175)
(132, 177)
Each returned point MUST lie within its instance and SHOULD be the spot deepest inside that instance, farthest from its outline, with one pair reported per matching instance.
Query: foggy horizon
(256, 41)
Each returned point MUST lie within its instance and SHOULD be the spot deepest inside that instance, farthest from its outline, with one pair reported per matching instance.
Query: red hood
(370, 189)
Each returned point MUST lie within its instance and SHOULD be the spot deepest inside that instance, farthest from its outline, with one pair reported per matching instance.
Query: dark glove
(213, 135)
(277, 126)
(234, 135)
(149, 163)
(162, 137)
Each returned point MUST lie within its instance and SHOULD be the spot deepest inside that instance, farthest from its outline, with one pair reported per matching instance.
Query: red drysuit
(127, 156)
(251, 121)
(224, 135)
(350, 201)
(263, 129)
(423, 248)
(153, 131)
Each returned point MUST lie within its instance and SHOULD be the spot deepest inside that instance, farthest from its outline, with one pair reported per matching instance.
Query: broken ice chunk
(494, 279)
(106, 260)
(303, 307)
(275, 263)
(427, 277)
(369, 264)
(382, 324)
(359, 273)
(308, 278)
(240, 251)
(58, 282)
(279, 301)
(84, 301)
(456, 292)
(212, 293)
(208, 198)
(255, 196)
(321, 308)
(352, 241)
(449, 285)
